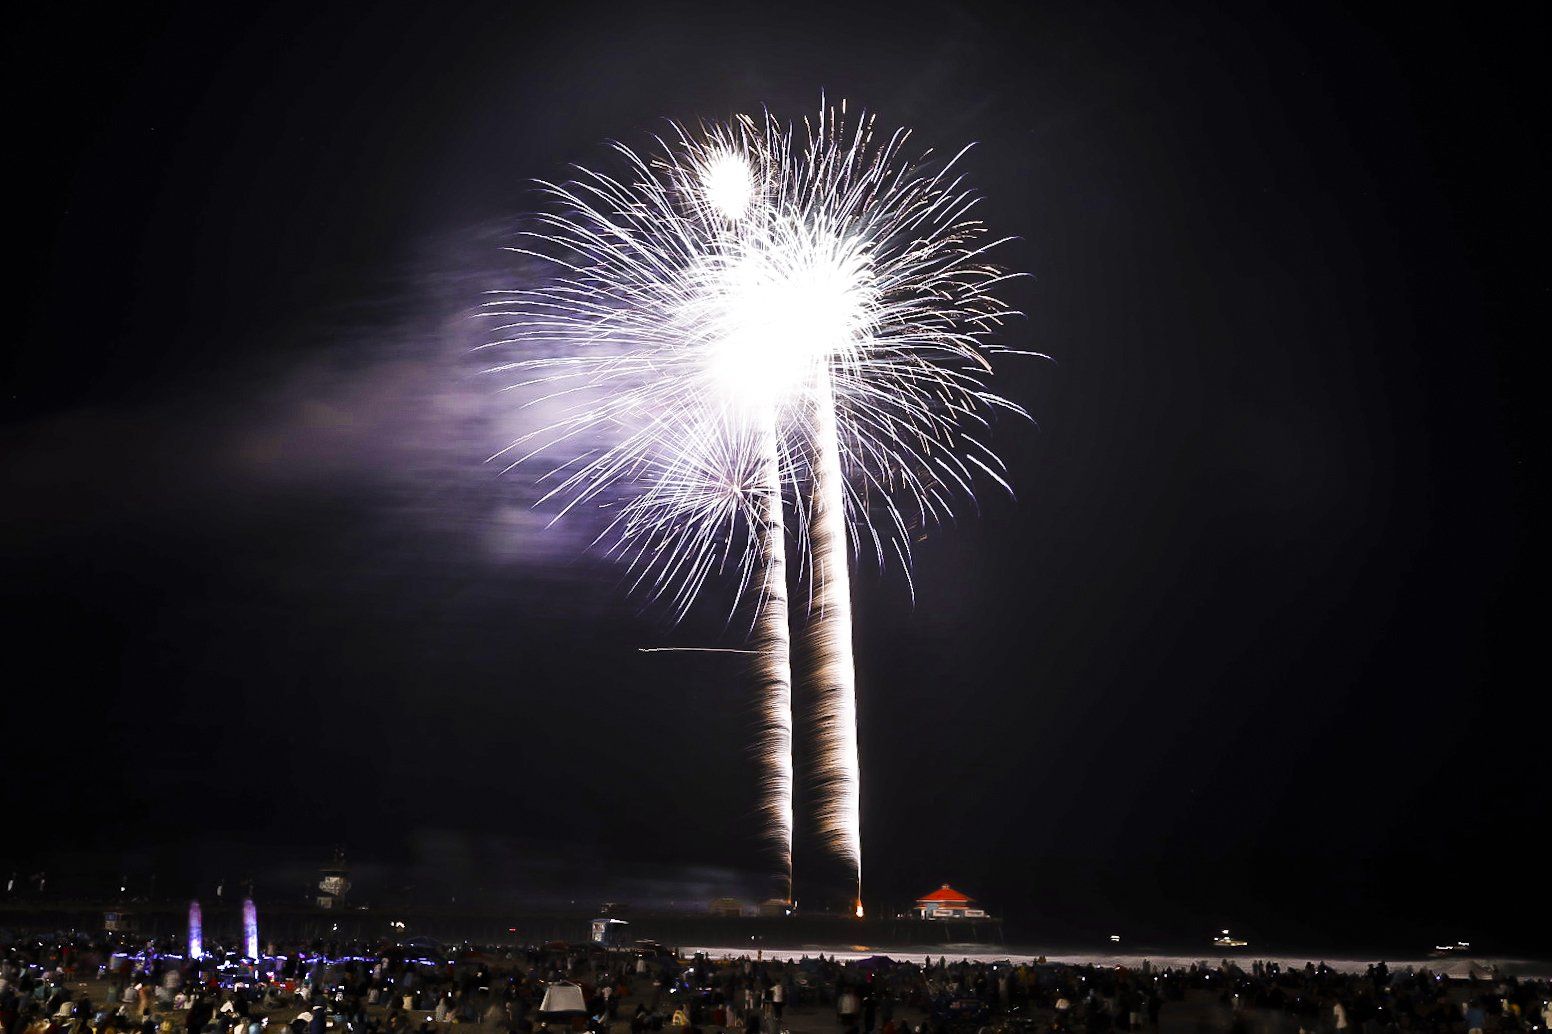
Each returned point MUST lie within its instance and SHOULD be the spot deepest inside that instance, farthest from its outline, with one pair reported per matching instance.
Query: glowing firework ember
(757, 308)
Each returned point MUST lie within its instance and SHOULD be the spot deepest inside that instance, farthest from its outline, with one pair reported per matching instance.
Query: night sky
(1254, 646)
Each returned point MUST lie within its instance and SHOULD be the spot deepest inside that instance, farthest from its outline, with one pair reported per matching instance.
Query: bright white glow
(782, 307)
(728, 182)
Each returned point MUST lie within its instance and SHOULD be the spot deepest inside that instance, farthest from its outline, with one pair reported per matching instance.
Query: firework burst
(756, 317)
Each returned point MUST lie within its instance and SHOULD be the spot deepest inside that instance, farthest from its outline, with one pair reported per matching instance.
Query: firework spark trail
(731, 479)
(772, 641)
(752, 309)
(835, 679)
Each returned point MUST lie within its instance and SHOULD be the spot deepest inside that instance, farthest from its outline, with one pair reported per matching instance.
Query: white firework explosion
(752, 318)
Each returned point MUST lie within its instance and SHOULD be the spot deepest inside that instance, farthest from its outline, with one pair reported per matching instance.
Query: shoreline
(1455, 967)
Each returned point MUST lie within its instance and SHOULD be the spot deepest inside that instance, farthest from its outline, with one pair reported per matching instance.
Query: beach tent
(562, 999)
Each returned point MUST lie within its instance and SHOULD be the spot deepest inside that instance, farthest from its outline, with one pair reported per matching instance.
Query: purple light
(196, 932)
(250, 929)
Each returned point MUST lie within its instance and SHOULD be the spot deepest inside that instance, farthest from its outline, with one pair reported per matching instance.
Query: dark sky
(1251, 647)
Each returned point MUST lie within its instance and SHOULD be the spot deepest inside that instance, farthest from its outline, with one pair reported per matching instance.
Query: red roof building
(947, 903)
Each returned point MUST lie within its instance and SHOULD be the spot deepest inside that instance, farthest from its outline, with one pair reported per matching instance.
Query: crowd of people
(70, 987)
(1255, 998)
